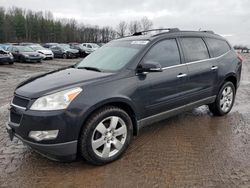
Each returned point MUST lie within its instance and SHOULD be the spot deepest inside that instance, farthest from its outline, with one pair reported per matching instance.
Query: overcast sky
(226, 17)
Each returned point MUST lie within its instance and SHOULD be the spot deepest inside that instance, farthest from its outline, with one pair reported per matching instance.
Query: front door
(165, 87)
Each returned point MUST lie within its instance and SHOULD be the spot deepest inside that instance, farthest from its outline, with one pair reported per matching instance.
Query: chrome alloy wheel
(226, 99)
(109, 137)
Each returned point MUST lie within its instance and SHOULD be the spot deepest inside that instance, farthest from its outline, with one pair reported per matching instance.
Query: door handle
(214, 68)
(181, 75)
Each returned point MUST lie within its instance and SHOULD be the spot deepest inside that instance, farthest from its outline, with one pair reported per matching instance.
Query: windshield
(111, 57)
(24, 49)
(37, 47)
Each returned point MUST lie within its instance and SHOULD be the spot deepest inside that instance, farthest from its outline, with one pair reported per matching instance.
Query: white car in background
(90, 47)
(45, 52)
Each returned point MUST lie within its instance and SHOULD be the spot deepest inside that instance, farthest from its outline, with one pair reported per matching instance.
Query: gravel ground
(193, 149)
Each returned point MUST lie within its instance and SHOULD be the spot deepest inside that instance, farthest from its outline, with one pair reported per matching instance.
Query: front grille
(19, 101)
(15, 118)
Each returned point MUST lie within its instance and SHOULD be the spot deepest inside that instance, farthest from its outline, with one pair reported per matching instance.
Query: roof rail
(208, 31)
(163, 29)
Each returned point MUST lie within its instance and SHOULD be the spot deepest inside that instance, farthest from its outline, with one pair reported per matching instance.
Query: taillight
(240, 58)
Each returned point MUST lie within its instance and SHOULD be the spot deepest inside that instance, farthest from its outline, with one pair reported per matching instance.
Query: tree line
(20, 25)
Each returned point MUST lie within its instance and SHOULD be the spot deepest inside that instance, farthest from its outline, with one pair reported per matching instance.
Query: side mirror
(17, 51)
(149, 67)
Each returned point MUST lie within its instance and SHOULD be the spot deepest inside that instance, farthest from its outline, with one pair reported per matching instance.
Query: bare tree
(121, 28)
(134, 26)
(146, 24)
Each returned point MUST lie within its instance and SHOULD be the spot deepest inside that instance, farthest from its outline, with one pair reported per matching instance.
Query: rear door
(202, 69)
(165, 86)
(219, 49)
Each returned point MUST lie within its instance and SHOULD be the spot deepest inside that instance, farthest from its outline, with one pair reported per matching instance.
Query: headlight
(56, 101)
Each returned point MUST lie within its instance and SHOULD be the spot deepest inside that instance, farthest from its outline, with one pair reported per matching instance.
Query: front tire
(224, 100)
(105, 136)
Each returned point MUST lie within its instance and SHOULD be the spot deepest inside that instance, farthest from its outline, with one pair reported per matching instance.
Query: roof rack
(163, 29)
(208, 31)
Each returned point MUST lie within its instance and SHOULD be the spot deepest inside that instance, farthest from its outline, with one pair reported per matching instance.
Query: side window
(55, 48)
(165, 52)
(217, 47)
(194, 49)
(89, 46)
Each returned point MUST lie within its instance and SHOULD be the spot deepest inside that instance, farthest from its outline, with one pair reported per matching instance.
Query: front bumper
(63, 148)
(6, 60)
(59, 152)
(33, 59)
(48, 56)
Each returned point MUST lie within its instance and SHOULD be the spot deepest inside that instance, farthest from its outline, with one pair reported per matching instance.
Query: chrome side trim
(193, 62)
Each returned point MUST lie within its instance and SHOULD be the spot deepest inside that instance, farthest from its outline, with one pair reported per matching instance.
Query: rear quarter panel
(228, 65)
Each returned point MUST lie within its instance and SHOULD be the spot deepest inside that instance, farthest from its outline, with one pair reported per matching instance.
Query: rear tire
(64, 56)
(224, 100)
(105, 136)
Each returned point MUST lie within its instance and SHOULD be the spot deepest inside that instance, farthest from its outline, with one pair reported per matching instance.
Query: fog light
(43, 135)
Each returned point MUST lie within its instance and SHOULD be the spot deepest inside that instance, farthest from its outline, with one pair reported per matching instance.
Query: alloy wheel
(109, 137)
(226, 99)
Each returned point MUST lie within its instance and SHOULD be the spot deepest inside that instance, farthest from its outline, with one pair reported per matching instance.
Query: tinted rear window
(194, 49)
(217, 47)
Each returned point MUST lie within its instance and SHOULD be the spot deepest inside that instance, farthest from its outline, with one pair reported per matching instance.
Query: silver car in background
(45, 52)
(90, 47)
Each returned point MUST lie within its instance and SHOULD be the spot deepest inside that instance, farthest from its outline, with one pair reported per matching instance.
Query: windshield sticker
(141, 42)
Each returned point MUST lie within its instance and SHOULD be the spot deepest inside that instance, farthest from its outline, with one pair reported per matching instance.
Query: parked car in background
(26, 43)
(101, 44)
(64, 51)
(80, 48)
(90, 47)
(25, 54)
(5, 46)
(49, 45)
(6, 57)
(47, 53)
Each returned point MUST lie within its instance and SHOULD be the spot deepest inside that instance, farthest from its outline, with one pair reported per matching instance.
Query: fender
(117, 99)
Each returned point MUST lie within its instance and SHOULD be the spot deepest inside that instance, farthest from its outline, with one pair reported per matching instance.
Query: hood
(56, 80)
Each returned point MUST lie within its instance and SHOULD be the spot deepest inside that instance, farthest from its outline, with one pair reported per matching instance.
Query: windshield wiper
(90, 68)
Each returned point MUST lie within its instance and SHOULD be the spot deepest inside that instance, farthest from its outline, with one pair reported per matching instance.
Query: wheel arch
(123, 103)
(231, 78)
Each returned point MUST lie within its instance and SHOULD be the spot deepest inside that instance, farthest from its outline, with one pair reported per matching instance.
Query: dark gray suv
(95, 107)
